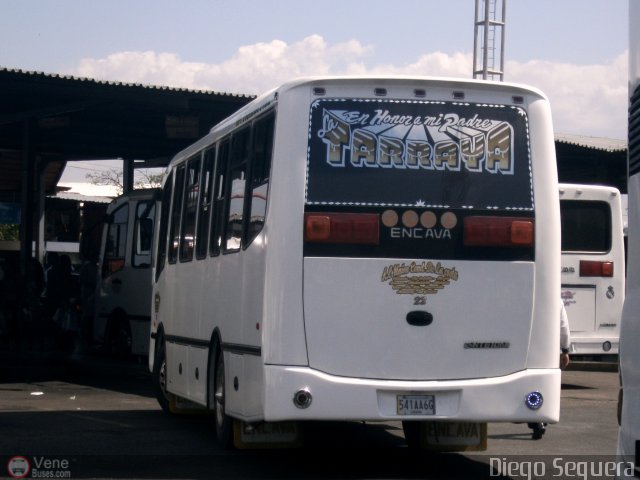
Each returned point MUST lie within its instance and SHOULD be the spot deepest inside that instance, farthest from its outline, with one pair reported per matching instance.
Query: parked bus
(364, 249)
(592, 266)
(629, 401)
(123, 293)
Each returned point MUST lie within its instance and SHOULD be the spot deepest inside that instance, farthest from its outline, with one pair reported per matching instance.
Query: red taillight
(359, 228)
(592, 268)
(498, 232)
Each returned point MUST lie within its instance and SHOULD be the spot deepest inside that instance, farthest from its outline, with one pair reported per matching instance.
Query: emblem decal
(424, 278)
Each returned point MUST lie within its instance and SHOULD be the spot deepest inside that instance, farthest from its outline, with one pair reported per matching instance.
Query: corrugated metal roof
(121, 84)
(597, 143)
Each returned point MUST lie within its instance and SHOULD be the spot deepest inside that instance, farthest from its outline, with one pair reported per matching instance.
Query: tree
(143, 178)
(9, 232)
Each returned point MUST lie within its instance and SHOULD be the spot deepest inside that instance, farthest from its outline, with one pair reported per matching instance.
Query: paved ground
(100, 414)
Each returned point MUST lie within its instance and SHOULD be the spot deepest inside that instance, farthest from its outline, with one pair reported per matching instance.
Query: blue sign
(9, 213)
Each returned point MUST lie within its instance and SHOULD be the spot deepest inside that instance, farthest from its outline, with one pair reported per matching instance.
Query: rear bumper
(592, 346)
(499, 399)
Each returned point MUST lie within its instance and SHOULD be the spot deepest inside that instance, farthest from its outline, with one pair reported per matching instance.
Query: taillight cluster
(486, 231)
(355, 228)
(364, 229)
(592, 268)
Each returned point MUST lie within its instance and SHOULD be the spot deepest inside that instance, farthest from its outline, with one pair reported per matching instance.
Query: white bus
(629, 401)
(592, 266)
(364, 249)
(123, 291)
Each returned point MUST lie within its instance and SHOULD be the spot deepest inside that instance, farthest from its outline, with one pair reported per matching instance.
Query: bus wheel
(224, 423)
(160, 377)
(411, 434)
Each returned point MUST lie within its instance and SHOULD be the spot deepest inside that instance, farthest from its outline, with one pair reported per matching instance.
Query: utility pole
(488, 42)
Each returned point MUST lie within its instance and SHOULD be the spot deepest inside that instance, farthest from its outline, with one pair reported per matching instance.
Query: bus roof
(265, 100)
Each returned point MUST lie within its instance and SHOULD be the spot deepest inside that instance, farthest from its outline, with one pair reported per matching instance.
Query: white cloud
(585, 99)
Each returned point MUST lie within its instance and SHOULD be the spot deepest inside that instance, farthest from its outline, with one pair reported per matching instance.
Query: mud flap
(453, 436)
(266, 435)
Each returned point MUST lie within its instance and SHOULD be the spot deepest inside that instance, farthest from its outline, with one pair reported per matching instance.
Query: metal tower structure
(488, 42)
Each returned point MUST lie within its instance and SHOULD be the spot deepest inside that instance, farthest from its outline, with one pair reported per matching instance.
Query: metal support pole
(127, 175)
(27, 200)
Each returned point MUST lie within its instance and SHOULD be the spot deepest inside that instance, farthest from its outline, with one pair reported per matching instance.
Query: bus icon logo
(18, 467)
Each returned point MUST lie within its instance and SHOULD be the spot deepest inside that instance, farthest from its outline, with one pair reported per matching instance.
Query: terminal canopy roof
(51, 119)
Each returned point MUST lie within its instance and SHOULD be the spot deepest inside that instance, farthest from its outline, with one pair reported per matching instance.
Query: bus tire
(160, 376)
(223, 423)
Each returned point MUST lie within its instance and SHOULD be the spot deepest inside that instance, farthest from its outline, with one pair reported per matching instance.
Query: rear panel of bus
(429, 231)
(593, 267)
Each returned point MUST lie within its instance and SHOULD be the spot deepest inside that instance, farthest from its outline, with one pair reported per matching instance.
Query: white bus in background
(368, 249)
(629, 401)
(123, 293)
(593, 269)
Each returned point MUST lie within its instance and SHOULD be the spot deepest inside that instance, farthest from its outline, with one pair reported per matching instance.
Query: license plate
(416, 404)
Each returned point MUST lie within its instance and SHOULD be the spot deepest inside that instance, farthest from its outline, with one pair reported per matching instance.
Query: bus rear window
(586, 226)
(399, 153)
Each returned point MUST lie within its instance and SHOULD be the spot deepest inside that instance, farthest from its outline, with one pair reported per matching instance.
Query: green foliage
(9, 232)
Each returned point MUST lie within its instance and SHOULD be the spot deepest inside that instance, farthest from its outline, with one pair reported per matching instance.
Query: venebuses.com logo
(18, 467)
(39, 467)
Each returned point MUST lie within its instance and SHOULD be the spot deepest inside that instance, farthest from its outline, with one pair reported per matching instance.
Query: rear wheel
(160, 376)
(224, 423)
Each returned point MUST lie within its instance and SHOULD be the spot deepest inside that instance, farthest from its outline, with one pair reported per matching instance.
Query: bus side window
(204, 213)
(175, 215)
(217, 220)
(190, 205)
(260, 169)
(116, 245)
(145, 214)
(164, 221)
(236, 190)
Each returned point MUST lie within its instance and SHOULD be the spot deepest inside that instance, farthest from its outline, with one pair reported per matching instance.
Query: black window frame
(192, 180)
(147, 206)
(165, 205)
(216, 225)
(114, 263)
(176, 215)
(205, 202)
(239, 161)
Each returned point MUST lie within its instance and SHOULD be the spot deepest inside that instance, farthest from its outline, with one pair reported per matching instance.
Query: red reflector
(359, 228)
(592, 268)
(498, 232)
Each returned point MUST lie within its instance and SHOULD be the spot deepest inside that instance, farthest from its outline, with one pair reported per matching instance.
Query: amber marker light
(592, 268)
(481, 231)
(355, 228)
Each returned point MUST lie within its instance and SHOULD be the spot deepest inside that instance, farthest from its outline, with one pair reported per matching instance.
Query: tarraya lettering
(442, 142)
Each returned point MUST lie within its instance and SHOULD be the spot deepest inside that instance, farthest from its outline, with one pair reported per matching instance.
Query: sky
(575, 51)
